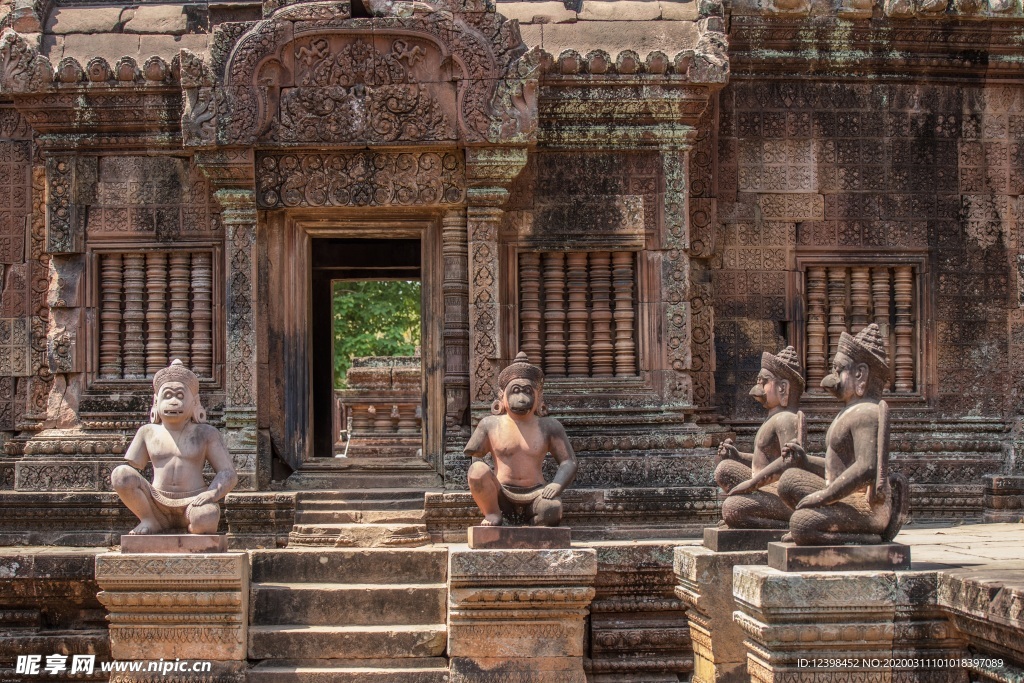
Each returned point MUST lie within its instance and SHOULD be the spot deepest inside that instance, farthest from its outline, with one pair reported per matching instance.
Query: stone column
(455, 287)
(240, 418)
(813, 627)
(519, 615)
(704, 583)
(177, 606)
(489, 171)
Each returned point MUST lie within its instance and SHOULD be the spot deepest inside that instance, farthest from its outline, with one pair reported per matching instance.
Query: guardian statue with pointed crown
(179, 444)
(849, 496)
(751, 479)
(519, 436)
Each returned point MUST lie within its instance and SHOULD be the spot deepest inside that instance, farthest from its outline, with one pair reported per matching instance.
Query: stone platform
(789, 557)
(723, 540)
(174, 543)
(513, 537)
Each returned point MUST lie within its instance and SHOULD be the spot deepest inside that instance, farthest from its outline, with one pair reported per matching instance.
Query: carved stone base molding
(812, 627)
(594, 514)
(48, 606)
(1004, 498)
(187, 606)
(986, 609)
(705, 586)
(518, 616)
(638, 629)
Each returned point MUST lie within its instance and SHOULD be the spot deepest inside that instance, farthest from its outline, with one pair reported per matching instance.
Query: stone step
(349, 642)
(373, 497)
(351, 565)
(324, 604)
(407, 670)
(326, 515)
(358, 535)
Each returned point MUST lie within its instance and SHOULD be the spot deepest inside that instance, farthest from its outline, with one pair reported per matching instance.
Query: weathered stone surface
(189, 606)
(174, 543)
(788, 557)
(1004, 498)
(165, 19)
(519, 614)
(512, 537)
(722, 540)
(64, 20)
(705, 585)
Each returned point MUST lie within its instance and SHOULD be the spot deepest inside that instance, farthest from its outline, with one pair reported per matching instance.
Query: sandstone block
(174, 543)
(704, 583)
(160, 19)
(734, 540)
(511, 537)
(518, 615)
(538, 12)
(621, 10)
(787, 557)
(189, 606)
(65, 20)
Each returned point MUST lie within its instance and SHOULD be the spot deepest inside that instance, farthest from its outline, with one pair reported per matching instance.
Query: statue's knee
(203, 519)
(733, 511)
(125, 477)
(549, 512)
(479, 472)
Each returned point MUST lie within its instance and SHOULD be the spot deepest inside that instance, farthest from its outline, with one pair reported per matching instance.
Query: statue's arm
(479, 443)
(727, 451)
(137, 454)
(857, 475)
(220, 460)
(561, 450)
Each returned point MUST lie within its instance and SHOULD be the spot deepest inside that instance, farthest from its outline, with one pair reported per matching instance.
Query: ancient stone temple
(643, 196)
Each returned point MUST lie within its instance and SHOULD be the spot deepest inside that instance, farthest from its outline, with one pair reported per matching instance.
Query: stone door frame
(285, 241)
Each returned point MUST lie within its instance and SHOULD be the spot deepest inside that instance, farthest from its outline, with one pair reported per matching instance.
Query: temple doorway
(367, 378)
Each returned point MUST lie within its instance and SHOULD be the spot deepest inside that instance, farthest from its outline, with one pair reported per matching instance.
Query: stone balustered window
(154, 306)
(577, 312)
(843, 297)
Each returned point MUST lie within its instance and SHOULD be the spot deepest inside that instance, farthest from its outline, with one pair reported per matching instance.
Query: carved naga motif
(414, 73)
(22, 68)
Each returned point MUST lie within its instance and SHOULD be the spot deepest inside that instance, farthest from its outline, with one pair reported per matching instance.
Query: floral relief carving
(360, 179)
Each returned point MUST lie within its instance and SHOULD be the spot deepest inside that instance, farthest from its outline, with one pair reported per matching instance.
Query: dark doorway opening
(334, 263)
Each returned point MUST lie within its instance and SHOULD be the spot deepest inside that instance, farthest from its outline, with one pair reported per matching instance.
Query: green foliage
(374, 318)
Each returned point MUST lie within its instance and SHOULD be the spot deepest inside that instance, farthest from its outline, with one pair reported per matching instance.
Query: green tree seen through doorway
(374, 318)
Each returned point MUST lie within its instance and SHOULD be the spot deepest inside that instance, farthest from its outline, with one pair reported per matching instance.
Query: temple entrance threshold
(358, 428)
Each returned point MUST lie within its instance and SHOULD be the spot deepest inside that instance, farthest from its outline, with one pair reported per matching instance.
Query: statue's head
(522, 389)
(176, 395)
(781, 380)
(861, 366)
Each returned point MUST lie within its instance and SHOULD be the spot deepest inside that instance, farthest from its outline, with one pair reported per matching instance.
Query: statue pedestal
(737, 540)
(174, 543)
(175, 605)
(822, 627)
(787, 557)
(518, 615)
(704, 583)
(518, 537)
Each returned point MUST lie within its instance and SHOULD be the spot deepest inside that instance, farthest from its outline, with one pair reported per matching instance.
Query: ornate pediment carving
(311, 74)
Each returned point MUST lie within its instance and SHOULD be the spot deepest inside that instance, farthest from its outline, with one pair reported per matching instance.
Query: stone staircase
(364, 518)
(348, 615)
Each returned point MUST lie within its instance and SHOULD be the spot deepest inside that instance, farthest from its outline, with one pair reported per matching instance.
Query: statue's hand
(743, 487)
(811, 501)
(794, 454)
(551, 491)
(204, 498)
(727, 451)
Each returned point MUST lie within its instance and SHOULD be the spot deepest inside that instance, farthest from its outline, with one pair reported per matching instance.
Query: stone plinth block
(516, 537)
(1004, 498)
(787, 557)
(704, 583)
(174, 543)
(818, 627)
(518, 615)
(739, 540)
(189, 606)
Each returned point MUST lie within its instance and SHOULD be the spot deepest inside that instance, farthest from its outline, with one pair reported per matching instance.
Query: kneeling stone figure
(179, 444)
(519, 436)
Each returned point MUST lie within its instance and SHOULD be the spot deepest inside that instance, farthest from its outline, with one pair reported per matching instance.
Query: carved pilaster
(817, 345)
(675, 280)
(489, 171)
(239, 217)
(456, 318)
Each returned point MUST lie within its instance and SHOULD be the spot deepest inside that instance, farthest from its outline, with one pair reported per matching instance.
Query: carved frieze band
(360, 179)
